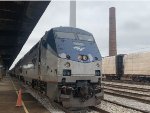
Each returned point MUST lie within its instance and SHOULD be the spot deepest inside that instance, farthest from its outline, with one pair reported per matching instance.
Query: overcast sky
(132, 19)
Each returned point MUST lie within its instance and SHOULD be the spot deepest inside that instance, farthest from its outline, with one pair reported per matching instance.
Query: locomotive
(65, 65)
(132, 67)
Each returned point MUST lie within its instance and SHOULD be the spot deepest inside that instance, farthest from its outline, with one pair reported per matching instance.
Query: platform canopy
(17, 20)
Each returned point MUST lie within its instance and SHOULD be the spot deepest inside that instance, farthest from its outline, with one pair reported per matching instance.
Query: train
(65, 65)
(2, 69)
(132, 67)
(1, 72)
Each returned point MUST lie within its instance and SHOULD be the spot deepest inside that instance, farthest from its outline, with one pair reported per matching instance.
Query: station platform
(8, 98)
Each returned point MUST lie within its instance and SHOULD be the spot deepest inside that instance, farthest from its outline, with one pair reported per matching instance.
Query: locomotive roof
(72, 30)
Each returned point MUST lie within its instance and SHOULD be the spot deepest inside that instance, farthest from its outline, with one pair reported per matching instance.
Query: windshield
(85, 37)
(65, 35)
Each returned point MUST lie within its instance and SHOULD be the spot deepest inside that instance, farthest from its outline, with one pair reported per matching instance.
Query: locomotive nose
(84, 91)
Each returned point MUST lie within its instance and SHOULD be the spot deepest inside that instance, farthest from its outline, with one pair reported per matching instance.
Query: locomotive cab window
(65, 35)
(85, 37)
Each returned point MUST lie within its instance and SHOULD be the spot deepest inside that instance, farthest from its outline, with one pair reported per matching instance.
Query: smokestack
(112, 32)
(72, 13)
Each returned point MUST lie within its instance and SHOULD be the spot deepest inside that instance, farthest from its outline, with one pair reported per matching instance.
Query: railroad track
(126, 82)
(99, 110)
(129, 95)
(127, 87)
(125, 106)
(141, 93)
(128, 91)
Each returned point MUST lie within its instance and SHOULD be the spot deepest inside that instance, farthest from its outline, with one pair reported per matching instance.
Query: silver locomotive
(65, 65)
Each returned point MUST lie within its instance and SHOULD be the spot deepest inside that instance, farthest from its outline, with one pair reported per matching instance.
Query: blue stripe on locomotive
(69, 46)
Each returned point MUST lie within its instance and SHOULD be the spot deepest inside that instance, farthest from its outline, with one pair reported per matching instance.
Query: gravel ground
(92, 112)
(128, 102)
(129, 85)
(85, 112)
(128, 90)
(113, 108)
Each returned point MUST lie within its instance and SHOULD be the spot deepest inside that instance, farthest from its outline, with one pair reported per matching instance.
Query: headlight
(85, 57)
(66, 72)
(82, 57)
(67, 64)
(97, 73)
(79, 57)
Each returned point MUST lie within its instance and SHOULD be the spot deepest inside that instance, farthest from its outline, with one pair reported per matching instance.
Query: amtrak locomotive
(65, 65)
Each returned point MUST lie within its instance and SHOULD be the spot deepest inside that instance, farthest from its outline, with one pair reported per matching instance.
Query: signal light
(66, 72)
(67, 64)
(97, 73)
